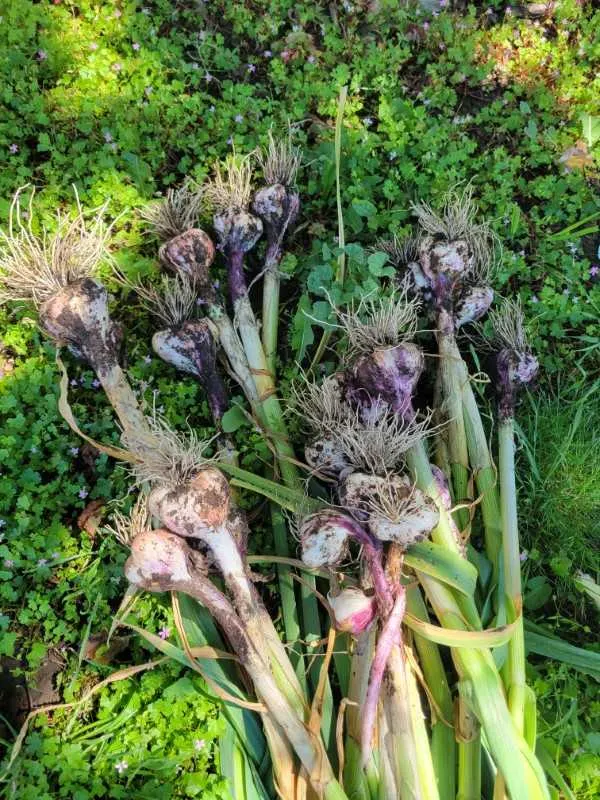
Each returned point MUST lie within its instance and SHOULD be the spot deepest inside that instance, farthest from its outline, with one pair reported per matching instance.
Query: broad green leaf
(435, 560)
(233, 419)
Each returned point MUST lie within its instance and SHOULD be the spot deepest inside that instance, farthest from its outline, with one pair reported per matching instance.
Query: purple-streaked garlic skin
(78, 315)
(238, 230)
(197, 509)
(444, 264)
(353, 611)
(191, 348)
(513, 371)
(325, 456)
(278, 207)
(161, 560)
(190, 254)
(391, 634)
(473, 305)
(324, 538)
(389, 374)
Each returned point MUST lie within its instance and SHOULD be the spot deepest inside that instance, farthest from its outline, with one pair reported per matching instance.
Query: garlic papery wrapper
(353, 611)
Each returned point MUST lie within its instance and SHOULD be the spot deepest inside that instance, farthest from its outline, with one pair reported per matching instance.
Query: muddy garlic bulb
(191, 348)
(78, 315)
(393, 509)
(161, 561)
(196, 509)
(324, 538)
(190, 254)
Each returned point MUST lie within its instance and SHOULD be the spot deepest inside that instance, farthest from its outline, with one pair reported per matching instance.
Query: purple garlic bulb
(324, 537)
(278, 206)
(444, 264)
(190, 254)
(238, 230)
(389, 374)
(191, 348)
(473, 305)
(196, 509)
(78, 315)
(353, 611)
(161, 561)
(514, 370)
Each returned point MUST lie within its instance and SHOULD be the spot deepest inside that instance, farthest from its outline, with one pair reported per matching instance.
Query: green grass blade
(543, 644)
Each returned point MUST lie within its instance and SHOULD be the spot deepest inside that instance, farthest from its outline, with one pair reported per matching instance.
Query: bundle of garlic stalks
(397, 665)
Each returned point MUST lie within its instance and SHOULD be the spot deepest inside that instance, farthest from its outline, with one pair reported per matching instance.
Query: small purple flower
(93, 45)
(268, 54)
(148, 359)
(311, 59)
(121, 766)
(508, 11)
(216, 285)
(200, 301)
(83, 493)
(164, 633)
(41, 55)
(238, 118)
(55, 556)
(535, 298)
(42, 562)
(136, 46)
(74, 382)
(117, 13)
(117, 67)
(8, 563)
(425, 26)
(195, 65)
(368, 121)
(251, 68)
(523, 556)
(74, 451)
(14, 148)
(594, 270)
(199, 744)
(95, 383)
(230, 140)
(208, 77)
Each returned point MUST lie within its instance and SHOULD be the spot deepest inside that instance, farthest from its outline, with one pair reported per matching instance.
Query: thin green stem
(450, 376)
(469, 754)
(270, 315)
(515, 668)
(443, 742)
